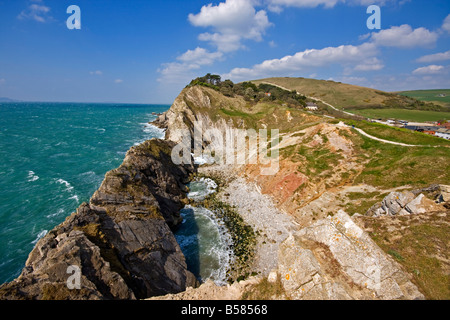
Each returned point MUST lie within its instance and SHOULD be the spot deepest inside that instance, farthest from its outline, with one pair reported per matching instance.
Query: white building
(311, 106)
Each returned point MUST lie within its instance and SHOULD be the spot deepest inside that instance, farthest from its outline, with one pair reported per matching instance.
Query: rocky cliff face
(197, 104)
(121, 242)
(328, 257)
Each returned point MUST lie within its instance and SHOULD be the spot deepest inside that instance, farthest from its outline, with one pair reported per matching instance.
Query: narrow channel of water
(203, 237)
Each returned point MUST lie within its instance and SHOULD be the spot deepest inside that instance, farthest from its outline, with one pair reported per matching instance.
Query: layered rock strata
(120, 242)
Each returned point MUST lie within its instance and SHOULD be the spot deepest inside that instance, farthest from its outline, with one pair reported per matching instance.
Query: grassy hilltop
(367, 102)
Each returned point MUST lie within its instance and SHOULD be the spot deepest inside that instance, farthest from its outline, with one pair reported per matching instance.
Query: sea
(203, 237)
(53, 156)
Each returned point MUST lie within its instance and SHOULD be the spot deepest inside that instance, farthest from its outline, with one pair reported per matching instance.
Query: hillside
(440, 97)
(326, 166)
(350, 97)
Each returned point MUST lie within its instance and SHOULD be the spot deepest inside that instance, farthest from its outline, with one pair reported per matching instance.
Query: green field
(403, 114)
(429, 96)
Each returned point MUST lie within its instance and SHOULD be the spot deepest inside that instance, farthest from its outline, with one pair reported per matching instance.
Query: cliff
(121, 240)
(326, 175)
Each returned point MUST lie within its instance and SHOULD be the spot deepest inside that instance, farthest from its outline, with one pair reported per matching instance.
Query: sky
(148, 51)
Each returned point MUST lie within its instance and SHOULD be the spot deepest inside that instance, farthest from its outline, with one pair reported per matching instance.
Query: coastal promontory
(120, 242)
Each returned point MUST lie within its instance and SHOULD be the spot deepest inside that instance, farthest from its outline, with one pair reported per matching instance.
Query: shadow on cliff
(187, 236)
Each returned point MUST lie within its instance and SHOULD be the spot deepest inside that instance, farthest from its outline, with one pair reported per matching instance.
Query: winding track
(351, 114)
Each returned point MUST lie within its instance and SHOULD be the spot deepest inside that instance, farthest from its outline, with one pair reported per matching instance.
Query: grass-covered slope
(350, 97)
(440, 97)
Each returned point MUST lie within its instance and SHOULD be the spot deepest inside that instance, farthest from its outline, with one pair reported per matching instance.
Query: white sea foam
(210, 242)
(39, 236)
(57, 213)
(219, 250)
(67, 184)
(75, 197)
(32, 176)
(154, 131)
(151, 132)
(88, 173)
(201, 188)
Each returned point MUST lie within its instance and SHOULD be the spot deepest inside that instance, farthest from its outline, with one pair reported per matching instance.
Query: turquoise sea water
(53, 156)
(203, 237)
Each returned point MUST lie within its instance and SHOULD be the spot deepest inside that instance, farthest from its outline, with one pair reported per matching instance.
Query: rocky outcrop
(402, 203)
(332, 259)
(121, 242)
(335, 259)
(197, 104)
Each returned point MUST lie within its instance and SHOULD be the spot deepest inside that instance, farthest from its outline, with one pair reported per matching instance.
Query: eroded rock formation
(121, 241)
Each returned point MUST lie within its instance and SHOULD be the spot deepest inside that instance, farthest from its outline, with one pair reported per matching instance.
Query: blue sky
(147, 51)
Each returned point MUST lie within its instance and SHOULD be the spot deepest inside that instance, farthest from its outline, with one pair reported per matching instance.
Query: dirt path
(351, 114)
(387, 141)
(312, 98)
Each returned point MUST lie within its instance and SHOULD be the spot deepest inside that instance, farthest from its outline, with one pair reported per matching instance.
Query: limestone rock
(396, 201)
(404, 203)
(360, 258)
(419, 205)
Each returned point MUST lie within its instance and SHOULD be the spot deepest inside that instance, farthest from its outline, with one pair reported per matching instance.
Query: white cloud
(371, 64)
(441, 56)
(405, 37)
(231, 22)
(431, 69)
(36, 12)
(118, 81)
(277, 5)
(303, 3)
(446, 24)
(191, 60)
(364, 36)
(175, 72)
(97, 72)
(2, 81)
(200, 56)
(349, 55)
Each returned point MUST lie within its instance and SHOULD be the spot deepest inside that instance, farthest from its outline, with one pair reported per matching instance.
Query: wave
(39, 236)
(32, 176)
(201, 188)
(206, 243)
(75, 197)
(151, 131)
(60, 211)
(154, 131)
(87, 173)
(67, 184)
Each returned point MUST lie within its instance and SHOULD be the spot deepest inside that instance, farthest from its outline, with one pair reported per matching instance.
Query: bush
(250, 91)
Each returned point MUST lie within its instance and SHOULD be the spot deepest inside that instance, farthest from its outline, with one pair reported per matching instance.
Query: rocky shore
(121, 241)
(306, 246)
(322, 256)
(333, 258)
